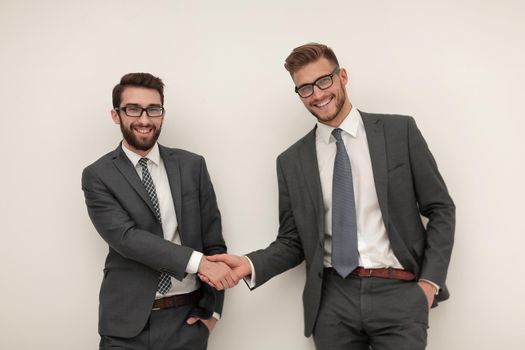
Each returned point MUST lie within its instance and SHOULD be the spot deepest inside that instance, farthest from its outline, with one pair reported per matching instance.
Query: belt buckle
(158, 308)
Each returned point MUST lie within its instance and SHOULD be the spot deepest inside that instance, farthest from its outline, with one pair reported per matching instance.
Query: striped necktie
(165, 279)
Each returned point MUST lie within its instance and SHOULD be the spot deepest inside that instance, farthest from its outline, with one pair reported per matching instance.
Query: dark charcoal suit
(408, 184)
(123, 214)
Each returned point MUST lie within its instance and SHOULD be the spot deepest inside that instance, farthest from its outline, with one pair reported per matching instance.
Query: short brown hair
(144, 80)
(308, 53)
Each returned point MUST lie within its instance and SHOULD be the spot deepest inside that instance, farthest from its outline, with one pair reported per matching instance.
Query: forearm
(149, 249)
(435, 203)
(286, 251)
(123, 235)
(277, 258)
(438, 250)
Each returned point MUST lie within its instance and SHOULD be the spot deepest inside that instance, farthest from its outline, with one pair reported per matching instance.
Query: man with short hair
(351, 193)
(156, 208)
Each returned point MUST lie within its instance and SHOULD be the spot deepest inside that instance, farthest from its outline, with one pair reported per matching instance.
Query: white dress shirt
(372, 240)
(169, 219)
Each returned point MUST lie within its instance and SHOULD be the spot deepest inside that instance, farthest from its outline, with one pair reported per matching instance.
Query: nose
(317, 92)
(143, 117)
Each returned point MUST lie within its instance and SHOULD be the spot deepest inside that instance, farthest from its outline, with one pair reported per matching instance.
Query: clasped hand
(223, 270)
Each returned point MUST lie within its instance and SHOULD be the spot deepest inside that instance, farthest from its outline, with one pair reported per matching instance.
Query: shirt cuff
(194, 262)
(250, 279)
(216, 315)
(432, 283)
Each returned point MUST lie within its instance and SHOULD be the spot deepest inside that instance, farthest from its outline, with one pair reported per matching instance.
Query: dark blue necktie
(165, 279)
(345, 256)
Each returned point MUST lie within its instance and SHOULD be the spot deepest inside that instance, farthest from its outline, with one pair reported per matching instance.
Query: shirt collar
(153, 155)
(350, 125)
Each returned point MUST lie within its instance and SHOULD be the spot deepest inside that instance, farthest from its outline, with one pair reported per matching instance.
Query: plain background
(456, 66)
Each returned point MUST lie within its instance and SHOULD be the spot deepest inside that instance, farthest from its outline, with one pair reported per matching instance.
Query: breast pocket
(399, 178)
(396, 168)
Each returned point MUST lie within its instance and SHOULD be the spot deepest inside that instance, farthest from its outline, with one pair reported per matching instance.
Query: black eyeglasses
(136, 111)
(323, 83)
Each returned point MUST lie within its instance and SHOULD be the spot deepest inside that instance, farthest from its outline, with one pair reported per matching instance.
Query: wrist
(202, 265)
(247, 266)
(431, 287)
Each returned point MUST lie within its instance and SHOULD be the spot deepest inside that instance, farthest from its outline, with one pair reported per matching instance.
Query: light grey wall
(457, 67)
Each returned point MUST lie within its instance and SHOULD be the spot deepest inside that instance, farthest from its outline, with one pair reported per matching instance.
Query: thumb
(192, 320)
(215, 258)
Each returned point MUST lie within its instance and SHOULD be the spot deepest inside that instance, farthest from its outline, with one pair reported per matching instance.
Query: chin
(325, 118)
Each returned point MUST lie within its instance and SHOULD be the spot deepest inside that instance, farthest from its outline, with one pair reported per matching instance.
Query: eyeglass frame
(118, 109)
(331, 76)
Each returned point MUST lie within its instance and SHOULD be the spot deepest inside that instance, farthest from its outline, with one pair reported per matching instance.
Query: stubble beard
(339, 104)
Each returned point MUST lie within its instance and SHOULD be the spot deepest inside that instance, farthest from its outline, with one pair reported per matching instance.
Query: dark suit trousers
(371, 313)
(165, 330)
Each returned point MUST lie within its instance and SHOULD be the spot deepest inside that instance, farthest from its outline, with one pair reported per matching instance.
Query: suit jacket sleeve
(286, 251)
(435, 204)
(120, 231)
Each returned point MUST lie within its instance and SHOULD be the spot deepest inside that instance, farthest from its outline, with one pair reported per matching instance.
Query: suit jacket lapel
(376, 144)
(124, 165)
(173, 170)
(309, 165)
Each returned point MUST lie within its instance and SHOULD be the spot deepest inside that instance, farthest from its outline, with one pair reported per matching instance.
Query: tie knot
(337, 134)
(143, 162)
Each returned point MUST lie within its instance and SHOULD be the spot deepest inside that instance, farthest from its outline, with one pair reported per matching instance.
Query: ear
(344, 76)
(115, 116)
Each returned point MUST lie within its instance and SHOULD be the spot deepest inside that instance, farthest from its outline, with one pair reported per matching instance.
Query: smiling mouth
(323, 103)
(143, 130)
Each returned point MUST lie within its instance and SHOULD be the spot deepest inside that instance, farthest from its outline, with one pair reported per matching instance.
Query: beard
(339, 103)
(134, 141)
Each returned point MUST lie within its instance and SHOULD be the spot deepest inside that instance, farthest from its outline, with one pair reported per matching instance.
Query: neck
(140, 152)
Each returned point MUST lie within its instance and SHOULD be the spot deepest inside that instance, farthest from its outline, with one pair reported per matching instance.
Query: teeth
(323, 103)
(143, 130)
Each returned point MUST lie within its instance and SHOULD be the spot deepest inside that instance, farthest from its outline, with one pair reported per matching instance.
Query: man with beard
(351, 193)
(156, 208)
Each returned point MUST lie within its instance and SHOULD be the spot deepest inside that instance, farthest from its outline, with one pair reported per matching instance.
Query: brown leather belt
(178, 300)
(390, 273)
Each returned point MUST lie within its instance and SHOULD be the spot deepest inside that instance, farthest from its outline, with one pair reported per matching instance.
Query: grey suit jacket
(123, 215)
(408, 185)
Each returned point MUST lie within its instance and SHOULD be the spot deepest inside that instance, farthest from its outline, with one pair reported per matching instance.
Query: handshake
(223, 270)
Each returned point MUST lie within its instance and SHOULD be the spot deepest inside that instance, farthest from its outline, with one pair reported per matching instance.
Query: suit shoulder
(181, 153)
(387, 118)
(390, 121)
(294, 148)
(184, 153)
(102, 162)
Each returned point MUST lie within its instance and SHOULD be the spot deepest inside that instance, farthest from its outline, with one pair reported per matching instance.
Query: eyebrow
(148, 106)
(316, 79)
